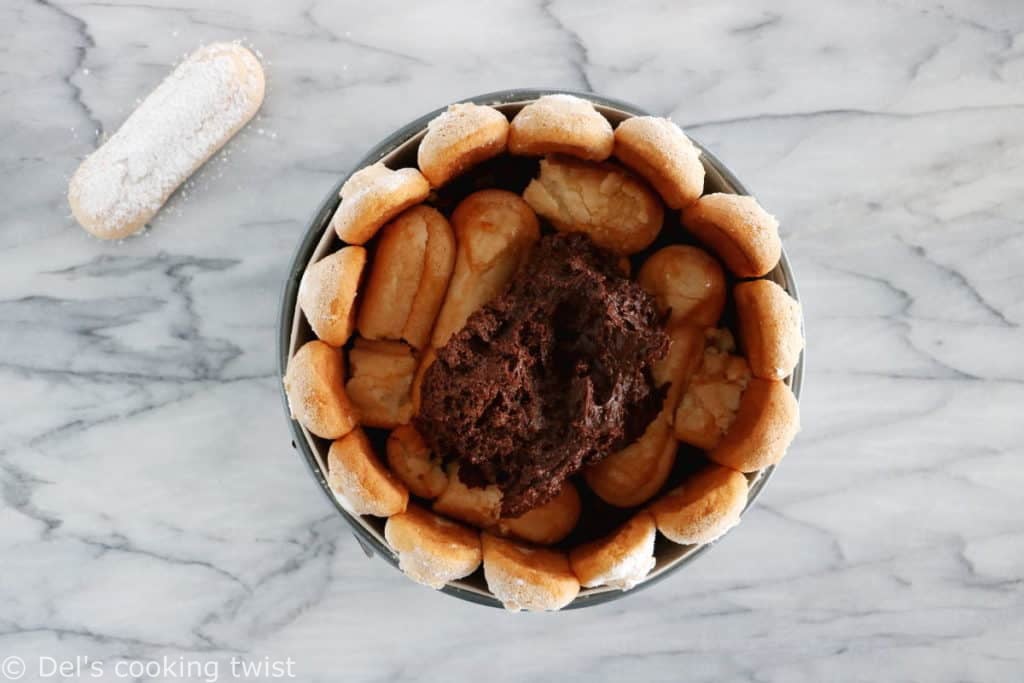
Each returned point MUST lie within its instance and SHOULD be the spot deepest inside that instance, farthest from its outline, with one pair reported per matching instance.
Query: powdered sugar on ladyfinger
(206, 100)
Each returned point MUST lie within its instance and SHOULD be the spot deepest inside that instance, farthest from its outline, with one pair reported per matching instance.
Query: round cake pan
(399, 149)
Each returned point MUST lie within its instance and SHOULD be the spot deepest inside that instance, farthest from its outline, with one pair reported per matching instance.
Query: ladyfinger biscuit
(767, 421)
(437, 271)
(685, 353)
(494, 232)
(659, 151)
(359, 481)
(395, 275)
(708, 406)
(631, 476)
(738, 230)
(460, 138)
(432, 550)
(380, 387)
(327, 294)
(620, 560)
(524, 577)
(411, 267)
(374, 195)
(480, 507)
(411, 461)
(548, 523)
(315, 386)
(427, 358)
(181, 124)
(561, 124)
(617, 210)
(769, 328)
(703, 507)
(686, 282)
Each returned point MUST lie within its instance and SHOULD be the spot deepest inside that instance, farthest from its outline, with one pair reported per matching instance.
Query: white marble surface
(151, 504)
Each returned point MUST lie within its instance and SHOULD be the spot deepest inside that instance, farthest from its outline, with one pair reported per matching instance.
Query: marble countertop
(153, 508)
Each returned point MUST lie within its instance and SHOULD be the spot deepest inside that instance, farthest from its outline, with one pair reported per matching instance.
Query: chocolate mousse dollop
(553, 375)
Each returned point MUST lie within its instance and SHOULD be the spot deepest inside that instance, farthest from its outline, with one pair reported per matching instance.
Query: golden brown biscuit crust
(327, 294)
(548, 523)
(360, 482)
(411, 460)
(374, 195)
(314, 385)
(744, 235)
(658, 150)
(526, 577)
(494, 231)
(620, 560)
(561, 124)
(459, 138)
(703, 507)
(431, 549)
(480, 507)
(610, 205)
(769, 322)
(686, 282)
(767, 421)
(633, 475)
(381, 383)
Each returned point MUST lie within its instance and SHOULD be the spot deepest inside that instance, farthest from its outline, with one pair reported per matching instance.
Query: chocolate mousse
(553, 375)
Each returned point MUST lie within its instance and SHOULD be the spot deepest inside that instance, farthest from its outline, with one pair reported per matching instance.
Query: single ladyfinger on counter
(658, 150)
(561, 124)
(738, 230)
(374, 195)
(314, 383)
(208, 98)
(458, 139)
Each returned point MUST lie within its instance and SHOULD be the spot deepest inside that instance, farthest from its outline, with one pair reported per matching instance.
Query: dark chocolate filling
(553, 375)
